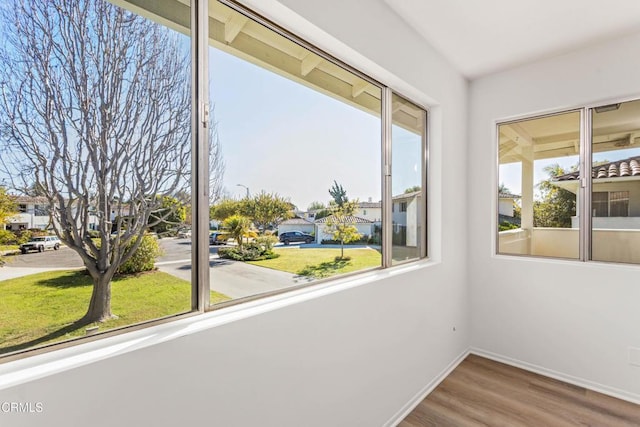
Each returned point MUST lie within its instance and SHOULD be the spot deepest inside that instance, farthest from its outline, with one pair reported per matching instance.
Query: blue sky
(280, 136)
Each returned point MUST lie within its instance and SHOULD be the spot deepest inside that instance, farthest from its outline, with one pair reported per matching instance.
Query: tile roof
(30, 199)
(349, 219)
(369, 205)
(296, 221)
(619, 168)
(407, 195)
(508, 196)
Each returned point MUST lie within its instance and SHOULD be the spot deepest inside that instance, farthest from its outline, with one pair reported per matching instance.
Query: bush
(23, 236)
(8, 238)
(267, 241)
(248, 252)
(505, 225)
(363, 240)
(144, 258)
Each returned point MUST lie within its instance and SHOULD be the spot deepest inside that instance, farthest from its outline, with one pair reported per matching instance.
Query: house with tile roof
(296, 224)
(364, 226)
(506, 208)
(616, 194)
(370, 210)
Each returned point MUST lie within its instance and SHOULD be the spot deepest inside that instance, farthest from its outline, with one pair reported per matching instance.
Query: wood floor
(481, 392)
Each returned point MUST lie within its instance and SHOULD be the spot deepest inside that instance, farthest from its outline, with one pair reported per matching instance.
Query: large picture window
(543, 192)
(163, 158)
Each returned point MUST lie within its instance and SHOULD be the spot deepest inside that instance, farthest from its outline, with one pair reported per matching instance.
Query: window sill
(30, 368)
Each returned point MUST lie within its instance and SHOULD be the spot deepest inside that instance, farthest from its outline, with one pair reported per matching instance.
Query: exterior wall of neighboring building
(505, 207)
(370, 210)
(322, 234)
(631, 222)
(32, 214)
(407, 218)
(297, 226)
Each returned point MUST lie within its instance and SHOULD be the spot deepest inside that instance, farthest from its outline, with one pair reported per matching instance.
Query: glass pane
(538, 185)
(95, 147)
(615, 234)
(295, 195)
(408, 135)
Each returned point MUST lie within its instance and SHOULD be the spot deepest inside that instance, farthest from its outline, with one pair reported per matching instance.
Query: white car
(184, 234)
(40, 244)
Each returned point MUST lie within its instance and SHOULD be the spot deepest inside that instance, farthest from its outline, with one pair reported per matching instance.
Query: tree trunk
(100, 304)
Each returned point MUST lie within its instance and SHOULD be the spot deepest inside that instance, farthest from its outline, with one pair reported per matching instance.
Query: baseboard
(410, 406)
(580, 382)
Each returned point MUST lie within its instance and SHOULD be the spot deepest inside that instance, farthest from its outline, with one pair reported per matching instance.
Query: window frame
(200, 276)
(585, 186)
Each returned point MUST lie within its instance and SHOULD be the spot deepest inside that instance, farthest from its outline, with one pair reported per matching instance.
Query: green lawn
(316, 263)
(42, 308)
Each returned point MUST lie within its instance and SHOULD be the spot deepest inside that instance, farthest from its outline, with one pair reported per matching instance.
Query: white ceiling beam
(358, 88)
(517, 134)
(309, 63)
(233, 26)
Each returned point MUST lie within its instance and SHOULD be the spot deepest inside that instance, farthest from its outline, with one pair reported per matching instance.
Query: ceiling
(482, 37)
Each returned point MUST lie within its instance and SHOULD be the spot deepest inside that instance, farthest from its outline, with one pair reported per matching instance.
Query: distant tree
(503, 189)
(8, 206)
(412, 189)
(322, 213)
(557, 205)
(225, 208)
(340, 223)
(315, 206)
(267, 210)
(338, 193)
(95, 109)
(238, 227)
(171, 213)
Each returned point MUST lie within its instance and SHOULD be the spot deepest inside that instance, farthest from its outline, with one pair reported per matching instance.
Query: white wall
(356, 356)
(570, 319)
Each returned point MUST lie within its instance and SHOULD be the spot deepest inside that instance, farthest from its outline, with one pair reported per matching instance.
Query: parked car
(295, 236)
(40, 244)
(217, 238)
(185, 233)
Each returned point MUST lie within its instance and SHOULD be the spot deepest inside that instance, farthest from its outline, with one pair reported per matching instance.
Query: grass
(315, 263)
(9, 247)
(42, 308)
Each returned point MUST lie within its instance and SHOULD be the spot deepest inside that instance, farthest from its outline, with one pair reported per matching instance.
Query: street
(232, 278)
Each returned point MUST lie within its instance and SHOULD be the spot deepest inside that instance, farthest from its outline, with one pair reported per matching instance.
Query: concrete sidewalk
(13, 272)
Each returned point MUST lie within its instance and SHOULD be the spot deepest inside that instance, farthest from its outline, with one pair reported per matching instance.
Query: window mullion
(585, 185)
(200, 155)
(387, 216)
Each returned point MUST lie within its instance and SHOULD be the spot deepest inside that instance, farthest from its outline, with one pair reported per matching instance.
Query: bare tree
(216, 162)
(95, 110)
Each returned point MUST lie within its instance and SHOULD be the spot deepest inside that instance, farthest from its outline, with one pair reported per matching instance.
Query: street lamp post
(241, 185)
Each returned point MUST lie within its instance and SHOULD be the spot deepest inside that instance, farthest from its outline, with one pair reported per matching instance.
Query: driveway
(232, 278)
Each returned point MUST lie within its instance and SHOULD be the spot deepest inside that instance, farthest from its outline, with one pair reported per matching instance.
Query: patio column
(527, 193)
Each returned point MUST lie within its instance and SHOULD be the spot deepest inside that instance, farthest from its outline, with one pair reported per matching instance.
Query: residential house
(363, 225)
(405, 213)
(506, 208)
(616, 194)
(296, 224)
(370, 210)
(33, 212)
